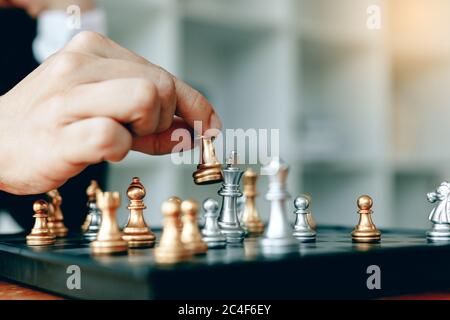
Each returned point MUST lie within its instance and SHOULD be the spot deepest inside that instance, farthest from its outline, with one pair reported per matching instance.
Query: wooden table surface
(12, 291)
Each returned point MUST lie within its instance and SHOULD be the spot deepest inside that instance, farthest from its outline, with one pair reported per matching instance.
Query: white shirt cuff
(54, 30)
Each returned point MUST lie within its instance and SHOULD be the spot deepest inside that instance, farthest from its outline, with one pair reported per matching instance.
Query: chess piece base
(170, 256)
(197, 248)
(143, 240)
(280, 246)
(366, 236)
(109, 247)
(254, 227)
(305, 235)
(233, 233)
(439, 232)
(40, 240)
(278, 242)
(58, 229)
(90, 236)
(208, 174)
(215, 242)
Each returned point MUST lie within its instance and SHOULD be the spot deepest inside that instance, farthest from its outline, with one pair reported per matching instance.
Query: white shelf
(342, 104)
(340, 20)
(249, 14)
(410, 204)
(335, 193)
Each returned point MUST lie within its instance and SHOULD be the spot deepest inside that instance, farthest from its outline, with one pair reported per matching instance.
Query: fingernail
(215, 122)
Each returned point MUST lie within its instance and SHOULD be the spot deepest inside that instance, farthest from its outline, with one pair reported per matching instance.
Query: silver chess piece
(228, 220)
(440, 215)
(211, 232)
(278, 234)
(302, 229)
(240, 207)
(95, 220)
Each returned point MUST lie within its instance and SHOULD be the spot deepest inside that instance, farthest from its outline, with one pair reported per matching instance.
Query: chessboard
(332, 267)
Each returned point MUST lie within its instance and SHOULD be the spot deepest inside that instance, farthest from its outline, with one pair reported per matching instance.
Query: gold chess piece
(180, 221)
(171, 249)
(309, 216)
(40, 234)
(191, 235)
(209, 169)
(311, 221)
(250, 219)
(56, 217)
(136, 232)
(365, 231)
(109, 238)
(91, 193)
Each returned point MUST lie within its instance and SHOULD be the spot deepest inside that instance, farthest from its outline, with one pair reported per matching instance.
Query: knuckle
(85, 39)
(103, 136)
(56, 106)
(166, 87)
(198, 100)
(67, 63)
(144, 96)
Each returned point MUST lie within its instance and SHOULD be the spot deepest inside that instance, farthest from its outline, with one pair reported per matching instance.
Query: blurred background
(362, 107)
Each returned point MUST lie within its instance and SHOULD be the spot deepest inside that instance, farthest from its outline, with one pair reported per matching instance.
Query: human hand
(92, 101)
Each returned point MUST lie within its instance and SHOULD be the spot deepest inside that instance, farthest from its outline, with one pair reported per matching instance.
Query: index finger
(192, 106)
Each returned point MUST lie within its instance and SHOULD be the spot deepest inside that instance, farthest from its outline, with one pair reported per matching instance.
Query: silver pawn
(211, 232)
(440, 215)
(278, 233)
(302, 229)
(95, 220)
(229, 221)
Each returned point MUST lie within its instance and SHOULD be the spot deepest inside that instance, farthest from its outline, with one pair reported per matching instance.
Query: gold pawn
(91, 193)
(209, 169)
(180, 220)
(171, 249)
(191, 235)
(136, 232)
(365, 231)
(55, 216)
(250, 219)
(40, 234)
(109, 238)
